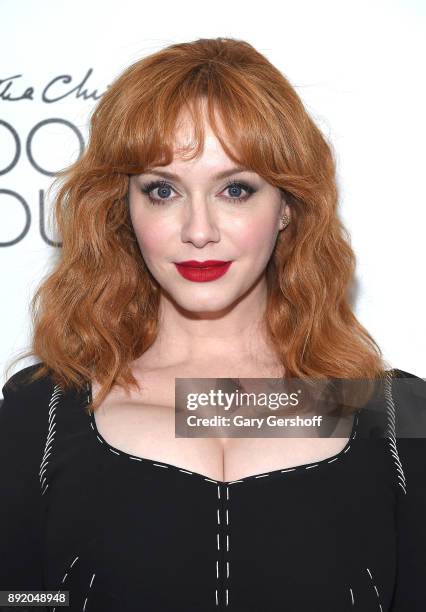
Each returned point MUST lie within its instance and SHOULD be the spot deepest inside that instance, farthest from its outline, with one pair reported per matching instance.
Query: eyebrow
(219, 175)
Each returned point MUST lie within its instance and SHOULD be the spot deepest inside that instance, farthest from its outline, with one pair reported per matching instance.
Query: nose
(199, 224)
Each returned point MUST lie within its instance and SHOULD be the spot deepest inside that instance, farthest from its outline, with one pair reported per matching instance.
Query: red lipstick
(202, 271)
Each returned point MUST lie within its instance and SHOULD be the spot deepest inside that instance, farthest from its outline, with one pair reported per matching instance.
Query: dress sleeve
(22, 439)
(410, 583)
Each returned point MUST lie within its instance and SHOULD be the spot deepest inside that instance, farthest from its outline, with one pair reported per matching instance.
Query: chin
(206, 304)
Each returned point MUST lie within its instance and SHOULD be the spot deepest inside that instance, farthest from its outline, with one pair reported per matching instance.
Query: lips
(192, 263)
(202, 271)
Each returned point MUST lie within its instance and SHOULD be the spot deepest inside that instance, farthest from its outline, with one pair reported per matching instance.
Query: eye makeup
(162, 184)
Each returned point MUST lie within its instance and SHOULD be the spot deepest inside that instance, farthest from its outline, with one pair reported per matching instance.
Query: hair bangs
(237, 111)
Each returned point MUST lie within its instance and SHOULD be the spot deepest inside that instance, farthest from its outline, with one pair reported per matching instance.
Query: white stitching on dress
(218, 546)
(65, 576)
(57, 392)
(308, 467)
(245, 479)
(217, 591)
(90, 586)
(390, 409)
(375, 588)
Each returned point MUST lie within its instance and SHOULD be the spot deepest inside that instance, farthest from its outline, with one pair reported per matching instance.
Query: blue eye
(162, 187)
(238, 186)
(165, 188)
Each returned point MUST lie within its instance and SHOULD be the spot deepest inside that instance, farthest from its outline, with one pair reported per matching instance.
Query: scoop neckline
(253, 477)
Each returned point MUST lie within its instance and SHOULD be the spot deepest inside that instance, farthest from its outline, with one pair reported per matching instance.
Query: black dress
(125, 534)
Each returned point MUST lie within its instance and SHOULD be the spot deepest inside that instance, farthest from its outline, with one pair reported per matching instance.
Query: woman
(203, 151)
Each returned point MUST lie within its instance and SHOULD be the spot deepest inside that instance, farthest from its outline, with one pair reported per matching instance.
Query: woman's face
(196, 214)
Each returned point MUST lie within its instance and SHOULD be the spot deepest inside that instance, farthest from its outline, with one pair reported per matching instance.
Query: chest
(143, 425)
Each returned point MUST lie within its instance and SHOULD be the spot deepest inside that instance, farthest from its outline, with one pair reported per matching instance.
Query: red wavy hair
(97, 310)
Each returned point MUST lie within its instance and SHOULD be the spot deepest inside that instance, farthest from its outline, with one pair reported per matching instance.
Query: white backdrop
(358, 67)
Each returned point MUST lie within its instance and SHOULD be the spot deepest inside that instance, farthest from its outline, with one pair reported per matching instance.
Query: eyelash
(159, 201)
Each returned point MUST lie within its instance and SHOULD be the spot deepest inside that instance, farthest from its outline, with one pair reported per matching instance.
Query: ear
(284, 210)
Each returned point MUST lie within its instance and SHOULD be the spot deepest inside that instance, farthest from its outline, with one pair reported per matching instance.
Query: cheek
(256, 237)
(149, 232)
(152, 238)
